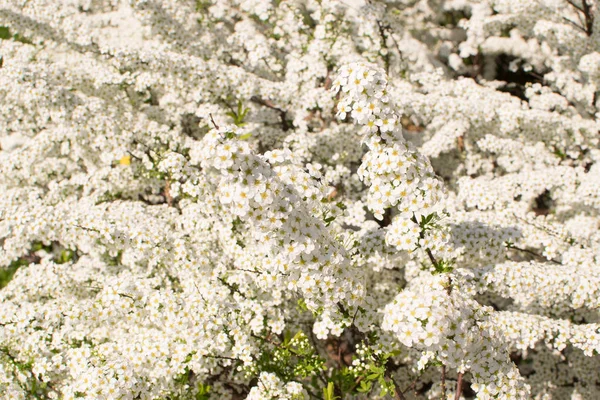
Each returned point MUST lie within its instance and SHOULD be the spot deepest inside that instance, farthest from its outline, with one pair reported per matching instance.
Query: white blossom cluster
(455, 330)
(299, 199)
(270, 387)
(280, 203)
(397, 175)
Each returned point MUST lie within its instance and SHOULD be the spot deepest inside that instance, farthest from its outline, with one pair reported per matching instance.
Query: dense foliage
(290, 199)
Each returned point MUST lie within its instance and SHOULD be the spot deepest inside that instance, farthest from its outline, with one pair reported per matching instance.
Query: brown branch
(328, 81)
(589, 17)
(398, 394)
(340, 359)
(585, 9)
(431, 257)
(575, 5)
(413, 384)
(269, 104)
(168, 193)
(459, 386)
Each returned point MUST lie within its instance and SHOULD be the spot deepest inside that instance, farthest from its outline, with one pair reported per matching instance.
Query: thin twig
(533, 253)
(391, 34)
(222, 358)
(568, 240)
(575, 5)
(386, 57)
(213, 121)
(581, 28)
(133, 155)
(354, 316)
(414, 382)
(589, 17)
(127, 296)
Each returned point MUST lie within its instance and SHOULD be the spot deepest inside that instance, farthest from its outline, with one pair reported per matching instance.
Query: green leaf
(341, 205)
(239, 115)
(65, 256)
(329, 220)
(203, 392)
(328, 393)
(4, 32)
(559, 153)
(298, 336)
(287, 337)
(202, 5)
(365, 386)
(376, 369)
(302, 305)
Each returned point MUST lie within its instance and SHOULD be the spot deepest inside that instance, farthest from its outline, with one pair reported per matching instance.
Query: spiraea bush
(299, 199)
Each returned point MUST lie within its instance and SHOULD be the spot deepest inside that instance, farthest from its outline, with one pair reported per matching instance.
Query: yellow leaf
(125, 160)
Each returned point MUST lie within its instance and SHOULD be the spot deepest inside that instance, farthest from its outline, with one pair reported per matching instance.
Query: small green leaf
(365, 386)
(203, 392)
(302, 305)
(4, 32)
(376, 369)
(328, 393)
(287, 337)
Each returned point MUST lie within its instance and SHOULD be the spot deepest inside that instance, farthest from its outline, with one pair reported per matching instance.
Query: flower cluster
(397, 174)
(455, 330)
(283, 206)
